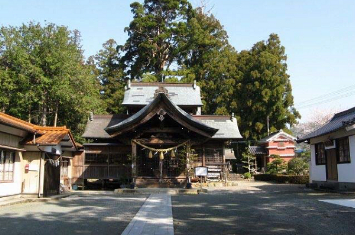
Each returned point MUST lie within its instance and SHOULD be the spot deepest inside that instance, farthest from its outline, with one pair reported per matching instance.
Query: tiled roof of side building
(95, 128)
(257, 150)
(51, 136)
(227, 126)
(46, 135)
(181, 94)
(18, 123)
(340, 120)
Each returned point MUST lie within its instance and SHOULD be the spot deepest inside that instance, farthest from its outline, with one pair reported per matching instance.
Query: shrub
(247, 175)
(298, 166)
(291, 179)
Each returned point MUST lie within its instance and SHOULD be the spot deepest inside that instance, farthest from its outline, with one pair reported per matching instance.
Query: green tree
(263, 90)
(111, 77)
(49, 82)
(298, 166)
(155, 36)
(249, 160)
(211, 61)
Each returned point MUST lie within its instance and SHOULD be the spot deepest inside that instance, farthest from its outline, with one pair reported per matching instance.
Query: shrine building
(160, 140)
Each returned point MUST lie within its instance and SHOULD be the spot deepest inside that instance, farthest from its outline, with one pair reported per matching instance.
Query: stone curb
(343, 192)
(27, 200)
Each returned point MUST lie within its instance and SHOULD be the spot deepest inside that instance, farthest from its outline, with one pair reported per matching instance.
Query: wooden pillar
(134, 161)
(203, 156)
(160, 170)
(224, 162)
(188, 150)
(265, 162)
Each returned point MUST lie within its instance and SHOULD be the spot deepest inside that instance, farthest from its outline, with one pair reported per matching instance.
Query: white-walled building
(333, 152)
(31, 157)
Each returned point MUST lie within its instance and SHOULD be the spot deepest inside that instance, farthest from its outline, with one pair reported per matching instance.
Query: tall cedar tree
(211, 61)
(111, 77)
(264, 89)
(46, 80)
(155, 37)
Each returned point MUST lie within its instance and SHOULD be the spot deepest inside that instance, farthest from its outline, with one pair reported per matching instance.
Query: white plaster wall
(346, 171)
(316, 172)
(13, 188)
(31, 178)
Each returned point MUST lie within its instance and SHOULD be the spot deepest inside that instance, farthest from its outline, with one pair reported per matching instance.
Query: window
(214, 155)
(118, 158)
(93, 158)
(343, 150)
(64, 163)
(7, 160)
(281, 144)
(320, 154)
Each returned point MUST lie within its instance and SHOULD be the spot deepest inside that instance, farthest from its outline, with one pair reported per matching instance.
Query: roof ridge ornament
(161, 114)
(161, 89)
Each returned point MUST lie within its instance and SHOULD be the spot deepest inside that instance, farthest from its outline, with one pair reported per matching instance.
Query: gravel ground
(86, 213)
(262, 208)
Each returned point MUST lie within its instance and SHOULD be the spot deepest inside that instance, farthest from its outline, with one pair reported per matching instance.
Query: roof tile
(339, 120)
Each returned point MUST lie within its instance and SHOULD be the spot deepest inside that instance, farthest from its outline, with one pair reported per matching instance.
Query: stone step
(215, 184)
(154, 183)
(169, 191)
(233, 176)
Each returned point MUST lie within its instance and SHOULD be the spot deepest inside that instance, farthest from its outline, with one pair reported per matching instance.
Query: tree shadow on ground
(268, 209)
(97, 214)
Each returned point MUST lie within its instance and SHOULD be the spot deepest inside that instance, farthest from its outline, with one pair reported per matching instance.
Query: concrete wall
(13, 188)
(316, 172)
(346, 171)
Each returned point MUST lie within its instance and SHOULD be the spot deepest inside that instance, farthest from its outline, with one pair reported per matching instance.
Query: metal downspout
(40, 171)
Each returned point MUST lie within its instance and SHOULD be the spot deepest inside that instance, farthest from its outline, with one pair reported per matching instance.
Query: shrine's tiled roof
(181, 94)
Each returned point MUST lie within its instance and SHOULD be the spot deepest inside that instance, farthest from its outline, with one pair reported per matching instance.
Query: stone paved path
(341, 202)
(154, 217)
(86, 213)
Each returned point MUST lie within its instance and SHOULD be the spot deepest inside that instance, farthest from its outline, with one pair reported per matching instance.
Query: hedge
(291, 179)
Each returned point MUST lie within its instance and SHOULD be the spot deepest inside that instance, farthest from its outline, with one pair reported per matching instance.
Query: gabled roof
(276, 135)
(340, 120)
(44, 135)
(18, 123)
(52, 136)
(142, 93)
(161, 99)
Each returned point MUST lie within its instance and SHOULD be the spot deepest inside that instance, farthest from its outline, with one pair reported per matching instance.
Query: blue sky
(319, 37)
